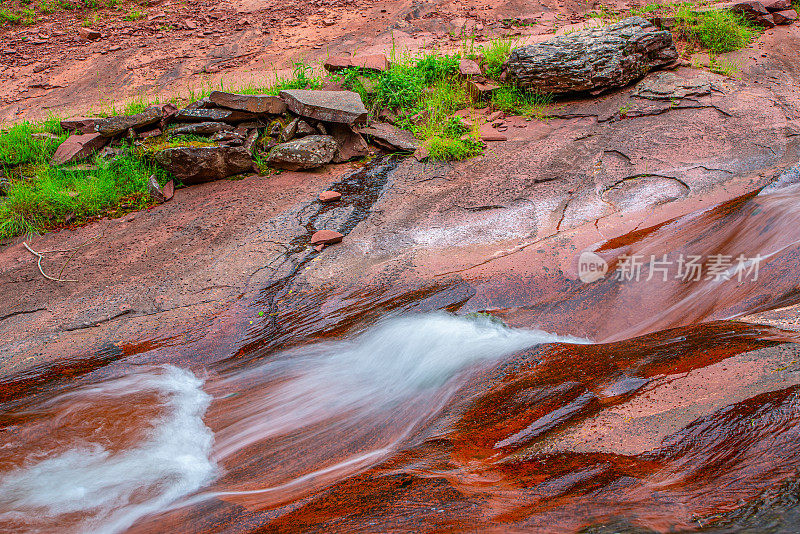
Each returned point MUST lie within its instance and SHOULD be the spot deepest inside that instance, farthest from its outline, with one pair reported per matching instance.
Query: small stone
(88, 33)
(469, 68)
(326, 237)
(329, 196)
(155, 190)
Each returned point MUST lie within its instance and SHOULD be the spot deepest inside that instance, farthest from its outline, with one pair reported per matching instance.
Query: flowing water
(620, 407)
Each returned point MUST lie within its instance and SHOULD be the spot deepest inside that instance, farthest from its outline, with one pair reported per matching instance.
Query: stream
(622, 405)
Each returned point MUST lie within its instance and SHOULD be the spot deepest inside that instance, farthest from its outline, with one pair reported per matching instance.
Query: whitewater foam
(114, 489)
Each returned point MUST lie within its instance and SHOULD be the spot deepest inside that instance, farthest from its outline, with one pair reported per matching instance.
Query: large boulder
(78, 147)
(593, 59)
(330, 106)
(268, 104)
(306, 153)
(193, 165)
(112, 126)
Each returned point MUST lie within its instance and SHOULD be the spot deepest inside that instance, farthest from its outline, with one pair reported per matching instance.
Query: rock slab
(391, 137)
(306, 153)
(343, 107)
(194, 165)
(261, 104)
(593, 59)
(112, 126)
(77, 147)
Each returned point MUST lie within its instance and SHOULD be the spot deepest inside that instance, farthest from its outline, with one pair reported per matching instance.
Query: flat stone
(112, 126)
(76, 147)
(266, 104)
(391, 137)
(487, 133)
(374, 62)
(79, 124)
(350, 144)
(593, 59)
(469, 68)
(89, 33)
(326, 237)
(785, 17)
(329, 196)
(193, 165)
(331, 106)
(776, 5)
(306, 153)
(669, 86)
(201, 128)
(213, 115)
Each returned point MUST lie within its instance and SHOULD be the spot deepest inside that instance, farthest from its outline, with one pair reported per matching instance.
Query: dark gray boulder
(306, 153)
(193, 165)
(593, 59)
(111, 126)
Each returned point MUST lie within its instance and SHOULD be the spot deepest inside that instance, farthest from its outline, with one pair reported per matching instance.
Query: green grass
(496, 53)
(51, 195)
(719, 31)
(515, 100)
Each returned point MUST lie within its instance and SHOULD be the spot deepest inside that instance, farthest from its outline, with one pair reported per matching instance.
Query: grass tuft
(719, 31)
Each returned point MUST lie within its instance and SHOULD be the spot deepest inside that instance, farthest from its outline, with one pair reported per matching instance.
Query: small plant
(134, 14)
(91, 20)
(495, 54)
(719, 31)
(515, 100)
(8, 17)
(447, 149)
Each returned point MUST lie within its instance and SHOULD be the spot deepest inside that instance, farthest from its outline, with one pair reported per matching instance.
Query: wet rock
(194, 165)
(373, 62)
(593, 59)
(306, 153)
(112, 126)
(326, 237)
(201, 128)
(785, 17)
(213, 115)
(89, 33)
(267, 104)
(330, 106)
(391, 137)
(79, 124)
(350, 144)
(329, 196)
(78, 147)
(469, 68)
